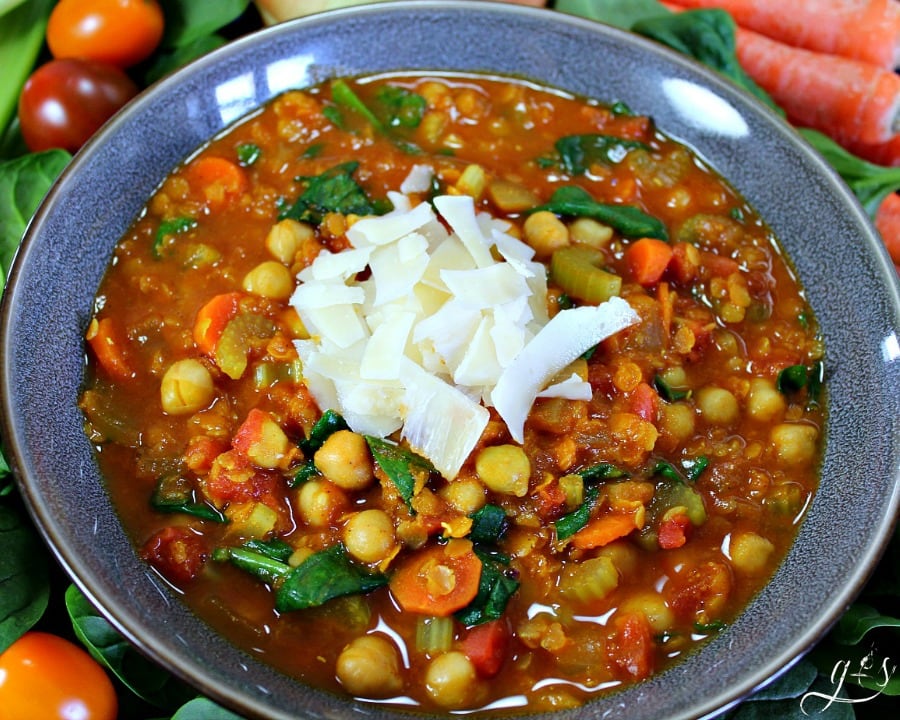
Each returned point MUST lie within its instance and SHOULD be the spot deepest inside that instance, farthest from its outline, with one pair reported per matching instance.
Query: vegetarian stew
(455, 392)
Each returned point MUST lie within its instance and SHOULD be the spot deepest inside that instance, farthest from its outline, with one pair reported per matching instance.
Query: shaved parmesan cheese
(568, 335)
(418, 180)
(438, 328)
(441, 424)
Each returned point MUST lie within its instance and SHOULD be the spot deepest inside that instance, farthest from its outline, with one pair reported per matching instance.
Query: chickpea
(504, 469)
(750, 552)
(269, 279)
(369, 667)
(676, 421)
(186, 387)
(764, 402)
(545, 233)
(587, 231)
(320, 502)
(369, 536)
(464, 494)
(344, 459)
(794, 443)
(286, 238)
(450, 680)
(654, 608)
(717, 405)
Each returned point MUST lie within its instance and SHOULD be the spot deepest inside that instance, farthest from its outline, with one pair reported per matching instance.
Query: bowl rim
(49, 529)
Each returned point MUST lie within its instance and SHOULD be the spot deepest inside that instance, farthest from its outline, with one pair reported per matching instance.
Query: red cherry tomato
(64, 102)
(46, 676)
(118, 32)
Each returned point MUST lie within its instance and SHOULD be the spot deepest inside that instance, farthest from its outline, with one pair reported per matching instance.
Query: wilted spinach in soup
(478, 394)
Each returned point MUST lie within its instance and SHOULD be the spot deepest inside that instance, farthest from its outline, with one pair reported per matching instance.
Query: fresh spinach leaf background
(24, 580)
(36, 594)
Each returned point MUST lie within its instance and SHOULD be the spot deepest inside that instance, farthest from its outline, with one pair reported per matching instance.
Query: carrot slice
(866, 30)
(604, 530)
(212, 319)
(438, 580)
(647, 260)
(105, 339)
(218, 180)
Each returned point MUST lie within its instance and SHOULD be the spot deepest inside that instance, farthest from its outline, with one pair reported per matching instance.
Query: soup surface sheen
(314, 352)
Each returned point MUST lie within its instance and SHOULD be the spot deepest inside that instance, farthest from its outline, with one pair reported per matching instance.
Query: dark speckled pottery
(850, 281)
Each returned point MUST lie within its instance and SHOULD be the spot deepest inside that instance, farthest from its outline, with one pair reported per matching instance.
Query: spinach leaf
(6, 481)
(667, 392)
(632, 222)
(399, 107)
(574, 521)
(601, 471)
(330, 423)
(24, 576)
(168, 60)
(188, 20)
(858, 621)
(325, 427)
(167, 229)
(621, 13)
(334, 190)
(260, 565)
(276, 548)
(248, 153)
(578, 152)
(497, 584)
(326, 575)
(870, 183)
(402, 466)
(174, 493)
(202, 708)
(345, 97)
(144, 678)
(707, 35)
(23, 183)
(21, 39)
(489, 524)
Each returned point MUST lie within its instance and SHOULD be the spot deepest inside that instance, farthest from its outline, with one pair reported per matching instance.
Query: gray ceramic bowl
(838, 257)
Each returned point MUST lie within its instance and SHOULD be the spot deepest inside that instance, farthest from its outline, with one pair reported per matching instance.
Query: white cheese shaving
(567, 336)
(439, 328)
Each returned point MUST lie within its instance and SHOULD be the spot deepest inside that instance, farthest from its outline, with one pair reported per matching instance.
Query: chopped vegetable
(577, 153)
(578, 273)
(334, 190)
(438, 580)
(573, 201)
(175, 494)
(647, 260)
(405, 469)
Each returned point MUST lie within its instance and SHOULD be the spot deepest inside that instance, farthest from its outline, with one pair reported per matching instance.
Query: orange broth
(679, 484)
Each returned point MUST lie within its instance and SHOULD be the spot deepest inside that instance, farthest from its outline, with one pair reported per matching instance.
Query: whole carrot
(867, 30)
(887, 222)
(848, 100)
(886, 153)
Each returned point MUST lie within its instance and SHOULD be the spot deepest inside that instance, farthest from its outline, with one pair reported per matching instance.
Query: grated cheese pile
(439, 328)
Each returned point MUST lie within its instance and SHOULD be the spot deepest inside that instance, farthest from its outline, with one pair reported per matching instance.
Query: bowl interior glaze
(850, 282)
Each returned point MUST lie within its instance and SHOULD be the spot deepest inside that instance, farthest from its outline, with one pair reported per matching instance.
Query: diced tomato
(486, 647)
(673, 531)
(177, 553)
(644, 402)
(200, 452)
(551, 500)
(233, 478)
(263, 441)
(701, 591)
(631, 646)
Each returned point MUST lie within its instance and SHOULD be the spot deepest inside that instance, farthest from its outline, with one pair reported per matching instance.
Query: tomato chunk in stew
(486, 395)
